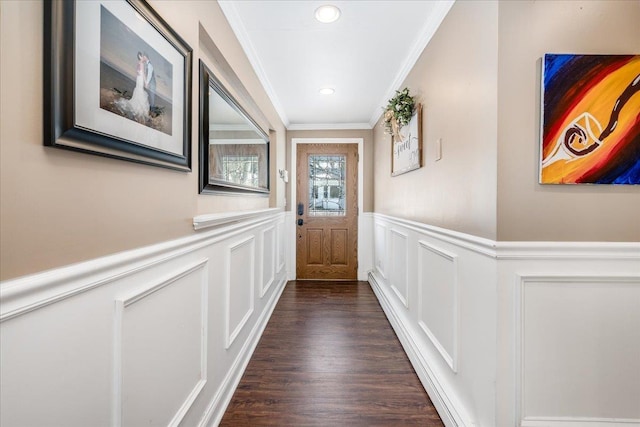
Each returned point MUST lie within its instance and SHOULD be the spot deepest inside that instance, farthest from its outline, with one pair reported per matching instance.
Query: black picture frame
(145, 145)
(207, 182)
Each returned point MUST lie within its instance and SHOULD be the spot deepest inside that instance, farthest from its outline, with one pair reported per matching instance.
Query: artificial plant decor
(398, 112)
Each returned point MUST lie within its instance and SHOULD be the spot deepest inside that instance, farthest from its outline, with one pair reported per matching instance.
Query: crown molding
(223, 127)
(440, 10)
(328, 126)
(233, 17)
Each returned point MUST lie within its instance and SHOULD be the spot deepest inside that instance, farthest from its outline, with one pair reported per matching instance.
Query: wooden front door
(327, 212)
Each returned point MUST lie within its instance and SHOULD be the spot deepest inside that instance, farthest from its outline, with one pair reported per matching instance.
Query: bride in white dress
(138, 105)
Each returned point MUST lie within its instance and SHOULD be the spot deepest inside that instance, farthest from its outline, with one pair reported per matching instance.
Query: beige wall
(455, 79)
(62, 207)
(527, 210)
(367, 137)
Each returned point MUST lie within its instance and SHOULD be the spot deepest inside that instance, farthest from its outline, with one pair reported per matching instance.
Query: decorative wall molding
(437, 367)
(25, 294)
(446, 405)
(227, 218)
(139, 287)
(218, 404)
(480, 381)
(477, 244)
(232, 15)
(488, 289)
(399, 265)
(329, 126)
(576, 281)
(450, 357)
(280, 247)
(380, 237)
(521, 250)
(568, 250)
(267, 260)
(139, 295)
(232, 331)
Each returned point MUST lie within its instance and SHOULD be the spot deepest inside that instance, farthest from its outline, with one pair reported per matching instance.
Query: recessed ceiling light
(327, 13)
(327, 91)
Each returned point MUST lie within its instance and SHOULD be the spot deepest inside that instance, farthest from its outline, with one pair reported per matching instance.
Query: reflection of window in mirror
(241, 169)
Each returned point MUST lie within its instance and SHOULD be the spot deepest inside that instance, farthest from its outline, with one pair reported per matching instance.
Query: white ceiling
(364, 56)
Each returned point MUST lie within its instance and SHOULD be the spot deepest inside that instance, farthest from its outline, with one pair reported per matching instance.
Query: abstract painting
(590, 119)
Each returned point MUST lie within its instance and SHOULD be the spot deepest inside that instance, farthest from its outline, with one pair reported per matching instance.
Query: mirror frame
(207, 80)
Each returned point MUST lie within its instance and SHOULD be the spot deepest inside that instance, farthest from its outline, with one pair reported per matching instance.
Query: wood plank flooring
(328, 357)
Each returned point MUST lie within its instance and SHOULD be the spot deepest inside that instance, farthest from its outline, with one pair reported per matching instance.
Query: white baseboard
(449, 413)
(579, 422)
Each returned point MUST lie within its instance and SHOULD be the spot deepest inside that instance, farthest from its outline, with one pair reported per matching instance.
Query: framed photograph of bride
(117, 82)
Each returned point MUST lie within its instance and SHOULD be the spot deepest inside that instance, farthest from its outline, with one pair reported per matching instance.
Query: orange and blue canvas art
(590, 119)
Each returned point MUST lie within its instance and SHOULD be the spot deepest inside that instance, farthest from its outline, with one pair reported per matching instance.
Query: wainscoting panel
(240, 285)
(589, 328)
(525, 334)
(439, 300)
(398, 263)
(268, 260)
(159, 335)
(167, 354)
(426, 311)
(381, 251)
(281, 252)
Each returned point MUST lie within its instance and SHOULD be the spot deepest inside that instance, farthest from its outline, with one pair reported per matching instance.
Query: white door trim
(294, 184)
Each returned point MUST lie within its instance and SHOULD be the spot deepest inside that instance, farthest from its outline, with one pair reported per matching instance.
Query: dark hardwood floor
(328, 357)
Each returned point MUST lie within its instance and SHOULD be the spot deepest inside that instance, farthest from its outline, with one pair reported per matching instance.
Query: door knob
(300, 221)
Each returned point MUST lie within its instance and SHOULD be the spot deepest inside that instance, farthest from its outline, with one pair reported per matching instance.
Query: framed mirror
(234, 150)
